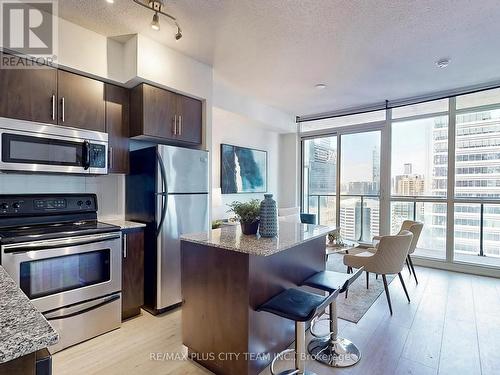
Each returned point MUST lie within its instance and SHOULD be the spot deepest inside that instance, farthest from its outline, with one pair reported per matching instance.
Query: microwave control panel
(97, 156)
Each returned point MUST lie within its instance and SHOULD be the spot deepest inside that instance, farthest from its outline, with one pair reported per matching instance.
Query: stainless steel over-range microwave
(34, 147)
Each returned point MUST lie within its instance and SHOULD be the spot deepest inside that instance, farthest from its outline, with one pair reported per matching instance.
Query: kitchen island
(226, 275)
(23, 329)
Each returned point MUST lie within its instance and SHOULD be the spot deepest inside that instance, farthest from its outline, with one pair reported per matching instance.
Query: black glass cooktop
(53, 230)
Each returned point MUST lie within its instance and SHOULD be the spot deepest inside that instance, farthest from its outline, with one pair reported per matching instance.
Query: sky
(411, 142)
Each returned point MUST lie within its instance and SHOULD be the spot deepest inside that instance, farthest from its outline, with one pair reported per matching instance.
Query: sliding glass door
(360, 186)
(320, 178)
(345, 195)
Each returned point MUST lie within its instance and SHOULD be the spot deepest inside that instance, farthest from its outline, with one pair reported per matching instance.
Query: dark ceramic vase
(268, 217)
(249, 228)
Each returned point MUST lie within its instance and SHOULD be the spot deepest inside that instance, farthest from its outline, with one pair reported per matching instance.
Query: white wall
(230, 99)
(240, 120)
(289, 172)
(110, 189)
(234, 129)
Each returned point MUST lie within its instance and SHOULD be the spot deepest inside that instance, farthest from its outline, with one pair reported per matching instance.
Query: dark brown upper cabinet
(117, 127)
(189, 119)
(163, 115)
(80, 101)
(29, 94)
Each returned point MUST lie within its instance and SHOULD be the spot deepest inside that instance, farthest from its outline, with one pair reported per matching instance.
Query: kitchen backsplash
(110, 189)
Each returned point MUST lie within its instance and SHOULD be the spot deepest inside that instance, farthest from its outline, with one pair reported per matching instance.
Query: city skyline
(420, 147)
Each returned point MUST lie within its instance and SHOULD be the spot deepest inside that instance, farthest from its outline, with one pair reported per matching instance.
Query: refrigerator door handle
(163, 194)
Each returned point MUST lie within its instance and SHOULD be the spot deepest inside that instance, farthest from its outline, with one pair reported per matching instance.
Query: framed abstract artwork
(243, 170)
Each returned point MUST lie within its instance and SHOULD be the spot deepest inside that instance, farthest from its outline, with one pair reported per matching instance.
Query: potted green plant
(248, 215)
(216, 224)
(335, 238)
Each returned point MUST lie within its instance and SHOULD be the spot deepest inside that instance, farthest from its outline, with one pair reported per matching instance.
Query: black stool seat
(294, 304)
(329, 281)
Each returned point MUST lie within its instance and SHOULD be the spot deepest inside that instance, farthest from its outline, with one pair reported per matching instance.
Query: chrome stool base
(293, 372)
(335, 353)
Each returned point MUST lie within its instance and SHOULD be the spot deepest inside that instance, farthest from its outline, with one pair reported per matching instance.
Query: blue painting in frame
(243, 170)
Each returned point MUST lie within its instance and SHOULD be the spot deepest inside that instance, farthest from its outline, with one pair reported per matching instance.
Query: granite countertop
(23, 329)
(123, 224)
(231, 238)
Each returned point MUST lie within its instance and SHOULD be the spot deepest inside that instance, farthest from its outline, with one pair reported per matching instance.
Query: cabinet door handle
(180, 125)
(124, 245)
(53, 102)
(174, 130)
(62, 109)
(110, 157)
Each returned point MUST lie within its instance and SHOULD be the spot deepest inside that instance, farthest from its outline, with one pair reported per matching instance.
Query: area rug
(359, 298)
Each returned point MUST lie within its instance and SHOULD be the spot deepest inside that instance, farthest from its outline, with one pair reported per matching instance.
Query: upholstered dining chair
(388, 259)
(415, 227)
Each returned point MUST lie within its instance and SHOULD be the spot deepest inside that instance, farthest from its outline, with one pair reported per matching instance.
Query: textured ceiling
(366, 51)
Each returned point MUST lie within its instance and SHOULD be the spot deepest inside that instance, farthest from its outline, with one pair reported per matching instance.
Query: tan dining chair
(388, 259)
(415, 227)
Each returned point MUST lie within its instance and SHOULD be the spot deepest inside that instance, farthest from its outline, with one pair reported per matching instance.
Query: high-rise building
(477, 174)
(351, 222)
(408, 168)
(376, 168)
(409, 184)
(322, 166)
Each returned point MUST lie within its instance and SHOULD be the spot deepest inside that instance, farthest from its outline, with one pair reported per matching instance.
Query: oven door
(61, 272)
(46, 148)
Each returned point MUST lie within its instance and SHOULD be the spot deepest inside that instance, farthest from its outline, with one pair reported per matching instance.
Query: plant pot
(250, 227)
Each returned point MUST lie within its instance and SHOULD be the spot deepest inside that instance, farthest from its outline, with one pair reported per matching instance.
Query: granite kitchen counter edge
(23, 329)
(123, 223)
(231, 238)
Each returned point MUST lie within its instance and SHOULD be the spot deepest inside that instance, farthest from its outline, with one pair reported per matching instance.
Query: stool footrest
(335, 353)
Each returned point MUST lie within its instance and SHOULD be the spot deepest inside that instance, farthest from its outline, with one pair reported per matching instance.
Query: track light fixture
(155, 23)
(157, 6)
(178, 35)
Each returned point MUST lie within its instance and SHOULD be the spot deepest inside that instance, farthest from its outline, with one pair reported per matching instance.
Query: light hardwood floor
(452, 326)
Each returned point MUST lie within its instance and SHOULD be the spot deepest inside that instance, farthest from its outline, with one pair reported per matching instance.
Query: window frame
(386, 197)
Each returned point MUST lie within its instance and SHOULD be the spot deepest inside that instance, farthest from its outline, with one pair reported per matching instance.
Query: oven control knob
(4, 206)
(80, 203)
(88, 203)
(16, 205)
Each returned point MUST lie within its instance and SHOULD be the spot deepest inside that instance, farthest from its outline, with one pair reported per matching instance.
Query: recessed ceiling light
(110, 1)
(320, 86)
(442, 63)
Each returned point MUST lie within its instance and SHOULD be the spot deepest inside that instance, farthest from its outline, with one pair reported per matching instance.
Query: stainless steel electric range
(64, 260)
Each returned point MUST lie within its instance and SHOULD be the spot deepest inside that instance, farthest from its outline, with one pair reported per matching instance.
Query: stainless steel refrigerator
(167, 189)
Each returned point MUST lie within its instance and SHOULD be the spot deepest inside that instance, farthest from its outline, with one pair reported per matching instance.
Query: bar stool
(331, 349)
(299, 306)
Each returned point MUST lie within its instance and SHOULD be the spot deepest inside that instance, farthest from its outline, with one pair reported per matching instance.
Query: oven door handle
(58, 243)
(81, 308)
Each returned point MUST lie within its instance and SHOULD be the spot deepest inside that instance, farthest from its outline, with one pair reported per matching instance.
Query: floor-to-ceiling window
(477, 178)
(419, 172)
(341, 174)
(320, 178)
(442, 167)
(360, 185)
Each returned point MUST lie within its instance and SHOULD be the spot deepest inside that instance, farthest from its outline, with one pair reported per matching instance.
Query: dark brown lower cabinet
(25, 365)
(132, 273)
